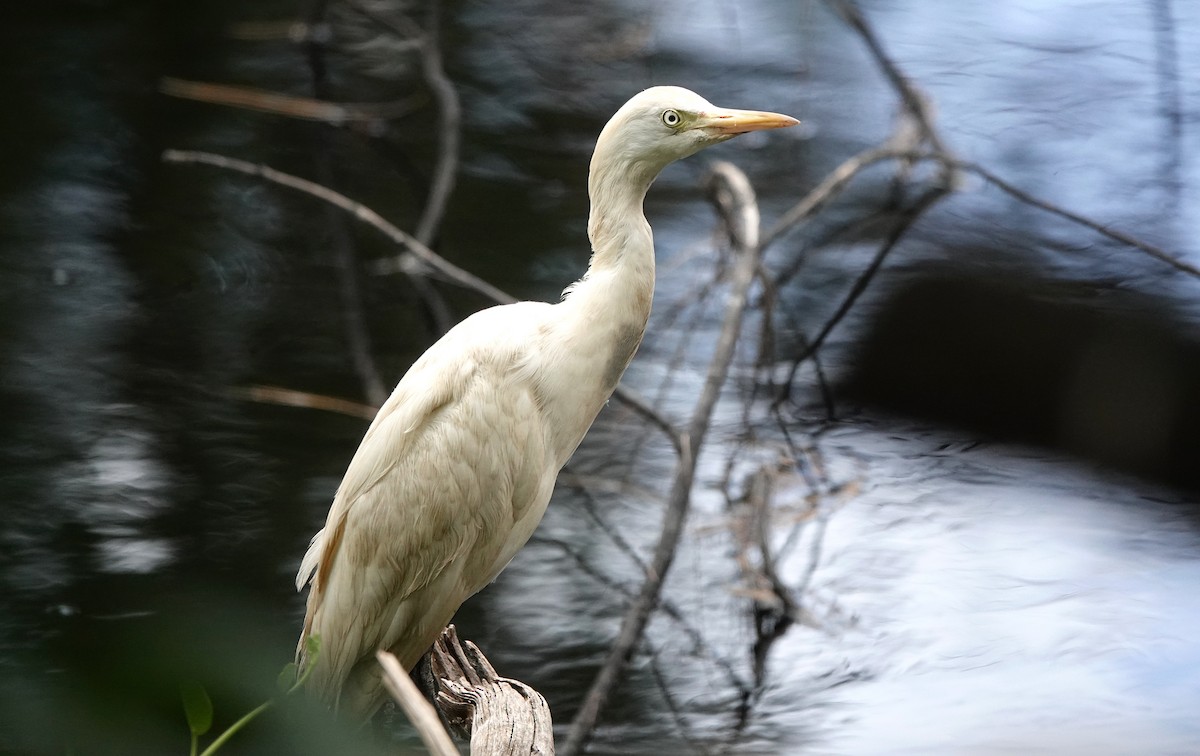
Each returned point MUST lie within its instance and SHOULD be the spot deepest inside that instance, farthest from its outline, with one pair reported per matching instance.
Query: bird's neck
(622, 243)
(611, 303)
(599, 324)
(617, 186)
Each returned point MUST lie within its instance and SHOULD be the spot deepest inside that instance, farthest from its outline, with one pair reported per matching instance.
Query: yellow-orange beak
(734, 122)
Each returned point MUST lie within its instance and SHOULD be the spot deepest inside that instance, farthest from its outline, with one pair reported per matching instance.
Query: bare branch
(759, 496)
(293, 398)
(291, 106)
(1119, 236)
(635, 402)
(342, 247)
(297, 32)
(448, 270)
(834, 183)
(700, 647)
(907, 219)
(915, 102)
(419, 711)
(449, 129)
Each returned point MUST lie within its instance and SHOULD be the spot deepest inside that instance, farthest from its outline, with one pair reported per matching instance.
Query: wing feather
(429, 502)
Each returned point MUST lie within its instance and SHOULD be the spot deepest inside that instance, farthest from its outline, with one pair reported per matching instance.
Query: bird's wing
(432, 383)
(395, 426)
(419, 493)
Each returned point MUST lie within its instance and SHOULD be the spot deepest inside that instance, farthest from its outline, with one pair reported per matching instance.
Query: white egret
(456, 470)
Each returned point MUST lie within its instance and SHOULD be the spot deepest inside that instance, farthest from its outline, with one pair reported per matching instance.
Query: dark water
(964, 595)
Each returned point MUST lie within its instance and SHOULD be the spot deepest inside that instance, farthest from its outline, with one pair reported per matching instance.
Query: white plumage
(455, 472)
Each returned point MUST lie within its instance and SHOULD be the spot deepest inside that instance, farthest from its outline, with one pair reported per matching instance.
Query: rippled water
(1009, 602)
(962, 595)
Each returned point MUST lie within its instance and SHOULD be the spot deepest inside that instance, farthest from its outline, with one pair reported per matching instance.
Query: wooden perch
(504, 717)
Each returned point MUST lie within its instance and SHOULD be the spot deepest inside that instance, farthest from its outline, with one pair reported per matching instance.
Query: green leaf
(197, 706)
(312, 649)
(287, 678)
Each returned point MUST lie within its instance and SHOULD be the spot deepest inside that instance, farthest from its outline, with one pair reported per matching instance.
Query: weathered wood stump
(504, 717)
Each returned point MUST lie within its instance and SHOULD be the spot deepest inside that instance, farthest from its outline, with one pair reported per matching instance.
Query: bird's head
(664, 124)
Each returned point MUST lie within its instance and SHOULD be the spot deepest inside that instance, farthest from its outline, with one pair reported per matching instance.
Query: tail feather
(312, 557)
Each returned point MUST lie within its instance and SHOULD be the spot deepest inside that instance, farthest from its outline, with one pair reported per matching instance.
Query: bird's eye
(671, 118)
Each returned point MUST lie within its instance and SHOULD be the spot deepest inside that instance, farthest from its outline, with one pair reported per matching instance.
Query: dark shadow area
(1107, 376)
(111, 685)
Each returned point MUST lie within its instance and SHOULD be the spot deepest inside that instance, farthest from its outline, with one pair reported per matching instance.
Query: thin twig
(916, 104)
(292, 398)
(834, 183)
(762, 489)
(700, 647)
(449, 129)
(913, 129)
(274, 31)
(635, 402)
(907, 219)
(837, 180)
(448, 270)
(342, 246)
(673, 707)
(1170, 99)
(426, 42)
(1157, 253)
(277, 103)
(588, 503)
